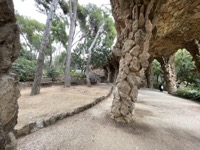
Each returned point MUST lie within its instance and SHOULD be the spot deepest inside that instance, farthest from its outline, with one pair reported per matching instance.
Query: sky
(27, 8)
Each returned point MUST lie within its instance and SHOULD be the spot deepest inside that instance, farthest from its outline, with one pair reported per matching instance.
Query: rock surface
(9, 92)
(153, 28)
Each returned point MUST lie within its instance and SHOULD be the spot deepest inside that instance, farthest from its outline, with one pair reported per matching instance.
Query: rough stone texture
(2, 138)
(177, 24)
(9, 92)
(194, 48)
(134, 27)
(167, 65)
(149, 28)
(149, 74)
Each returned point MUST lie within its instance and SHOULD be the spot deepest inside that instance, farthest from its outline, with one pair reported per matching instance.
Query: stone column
(194, 48)
(149, 75)
(109, 73)
(116, 71)
(9, 92)
(134, 28)
(167, 65)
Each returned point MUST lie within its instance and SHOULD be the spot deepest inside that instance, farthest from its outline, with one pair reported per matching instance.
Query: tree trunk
(89, 55)
(51, 58)
(87, 72)
(38, 75)
(134, 33)
(73, 14)
(149, 75)
(167, 65)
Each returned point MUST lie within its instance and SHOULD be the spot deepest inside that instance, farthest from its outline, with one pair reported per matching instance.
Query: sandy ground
(54, 100)
(161, 122)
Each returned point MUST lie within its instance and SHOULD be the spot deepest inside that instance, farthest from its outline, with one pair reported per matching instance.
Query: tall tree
(73, 14)
(185, 68)
(89, 54)
(100, 37)
(31, 31)
(38, 76)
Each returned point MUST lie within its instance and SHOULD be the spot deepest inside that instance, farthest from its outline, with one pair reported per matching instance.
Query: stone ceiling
(178, 22)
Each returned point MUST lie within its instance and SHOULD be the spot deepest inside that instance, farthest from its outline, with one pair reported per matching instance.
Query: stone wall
(9, 92)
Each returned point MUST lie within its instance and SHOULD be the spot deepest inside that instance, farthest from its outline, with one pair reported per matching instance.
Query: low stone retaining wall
(35, 126)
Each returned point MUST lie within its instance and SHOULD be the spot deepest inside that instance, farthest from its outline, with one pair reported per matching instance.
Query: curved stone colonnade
(148, 30)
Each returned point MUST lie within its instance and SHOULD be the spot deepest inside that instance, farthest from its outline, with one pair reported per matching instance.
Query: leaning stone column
(9, 92)
(134, 29)
(167, 65)
(194, 48)
(116, 70)
(109, 73)
(149, 75)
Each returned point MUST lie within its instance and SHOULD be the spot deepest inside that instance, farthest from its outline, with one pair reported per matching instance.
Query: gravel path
(161, 122)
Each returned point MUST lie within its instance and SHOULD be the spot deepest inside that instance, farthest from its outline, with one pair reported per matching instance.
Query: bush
(188, 93)
(25, 69)
(53, 73)
(77, 75)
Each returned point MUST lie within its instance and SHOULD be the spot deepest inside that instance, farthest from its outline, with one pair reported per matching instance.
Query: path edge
(37, 125)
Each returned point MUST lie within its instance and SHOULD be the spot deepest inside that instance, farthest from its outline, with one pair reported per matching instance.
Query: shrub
(53, 72)
(77, 75)
(188, 93)
(25, 69)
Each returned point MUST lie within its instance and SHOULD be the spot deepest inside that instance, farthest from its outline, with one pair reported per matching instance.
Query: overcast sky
(27, 8)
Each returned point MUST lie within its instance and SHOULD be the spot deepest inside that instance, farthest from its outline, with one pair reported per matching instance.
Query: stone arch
(111, 70)
(193, 47)
(148, 28)
(168, 68)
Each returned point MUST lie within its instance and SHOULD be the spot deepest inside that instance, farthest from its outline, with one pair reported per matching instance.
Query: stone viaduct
(147, 30)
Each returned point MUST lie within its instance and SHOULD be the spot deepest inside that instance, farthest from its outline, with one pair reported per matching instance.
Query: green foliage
(100, 58)
(64, 6)
(77, 62)
(189, 93)
(25, 69)
(77, 75)
(53, 72)
(31, 31)
(111, 33)
(81, 15)
(59, 60)
(185, 68)
(58, 31)
(157, 72)
(95, 17)
(28, 25)
(24, 52)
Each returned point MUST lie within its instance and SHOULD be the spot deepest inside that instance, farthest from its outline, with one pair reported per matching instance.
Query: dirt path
(162, 122)
(55, 100)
